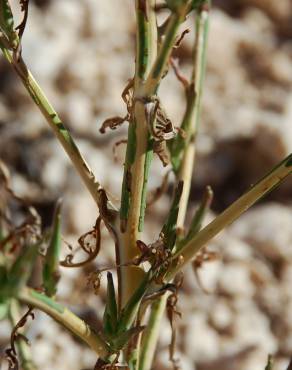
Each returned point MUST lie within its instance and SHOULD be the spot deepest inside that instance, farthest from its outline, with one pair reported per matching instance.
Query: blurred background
(82, 54)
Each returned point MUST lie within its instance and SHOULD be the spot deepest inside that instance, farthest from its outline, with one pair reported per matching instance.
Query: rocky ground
(82, 54)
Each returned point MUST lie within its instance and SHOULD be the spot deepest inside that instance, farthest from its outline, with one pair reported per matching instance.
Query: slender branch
(66, 318)
(153, 80)
(191, 119)
(139, 152)
(151, 333)
(260, 189)
(53, 120)
(190, 124)
(185, 175)
(139, 149)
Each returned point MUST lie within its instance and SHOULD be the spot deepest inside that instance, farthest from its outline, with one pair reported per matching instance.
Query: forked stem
(186, 148)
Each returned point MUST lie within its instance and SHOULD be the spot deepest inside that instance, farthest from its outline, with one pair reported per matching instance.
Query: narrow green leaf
(6, 17)
(148, 160)
(21, 270)
(130, 158)
(191, 119)
(199, 215)
(129, 312)
(123, 338)
(51, 273)
(110, 317)
(7, 22)
(4, 302)
(4, 307)
(169, 229)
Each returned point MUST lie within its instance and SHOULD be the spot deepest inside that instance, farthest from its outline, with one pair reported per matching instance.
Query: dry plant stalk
(125, 331)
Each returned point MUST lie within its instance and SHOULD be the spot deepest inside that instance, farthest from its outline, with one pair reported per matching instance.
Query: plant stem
(66, 318)
(190, 124)
(153, 80)
(257, 191)
(186, 146)
(139, 154)
(151, 333)
(26, 361)
(54, 122)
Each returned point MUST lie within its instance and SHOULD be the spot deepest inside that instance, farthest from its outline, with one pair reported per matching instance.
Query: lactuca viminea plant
(129, 336)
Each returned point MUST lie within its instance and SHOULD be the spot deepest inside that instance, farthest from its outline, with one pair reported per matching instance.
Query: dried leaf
(171, 311)
(15, 335)
(95, 233)
(160, 148)
(113, 123)
(181, 37)
(24, 8)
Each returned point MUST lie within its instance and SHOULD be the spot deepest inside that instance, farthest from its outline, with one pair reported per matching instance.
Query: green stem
(66, 318)
(260, 189)
(26, 361)
(54, 122)
(136, 171)
(139, 152)
(183, 149)
(157, 71)
(151, 333)
(190, 124)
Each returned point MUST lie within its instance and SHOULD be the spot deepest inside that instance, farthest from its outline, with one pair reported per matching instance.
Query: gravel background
(82, 53)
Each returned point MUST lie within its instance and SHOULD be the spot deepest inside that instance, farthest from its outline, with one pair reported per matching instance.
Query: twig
(66, 318)
(151, 334)
(139, 153)
(183, 150)
(260, 189)
(53, 120)
(190, 122)
(139, 149)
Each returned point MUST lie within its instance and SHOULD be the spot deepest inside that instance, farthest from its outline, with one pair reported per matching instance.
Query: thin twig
(192, 115)
(151, 334)
(188, 252)
(53, 120)
(66, 318)
(185, 174)
(138, 156)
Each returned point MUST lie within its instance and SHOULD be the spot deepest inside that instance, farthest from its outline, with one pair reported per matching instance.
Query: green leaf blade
(110, 317)
(21, 270)
(51, 266)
